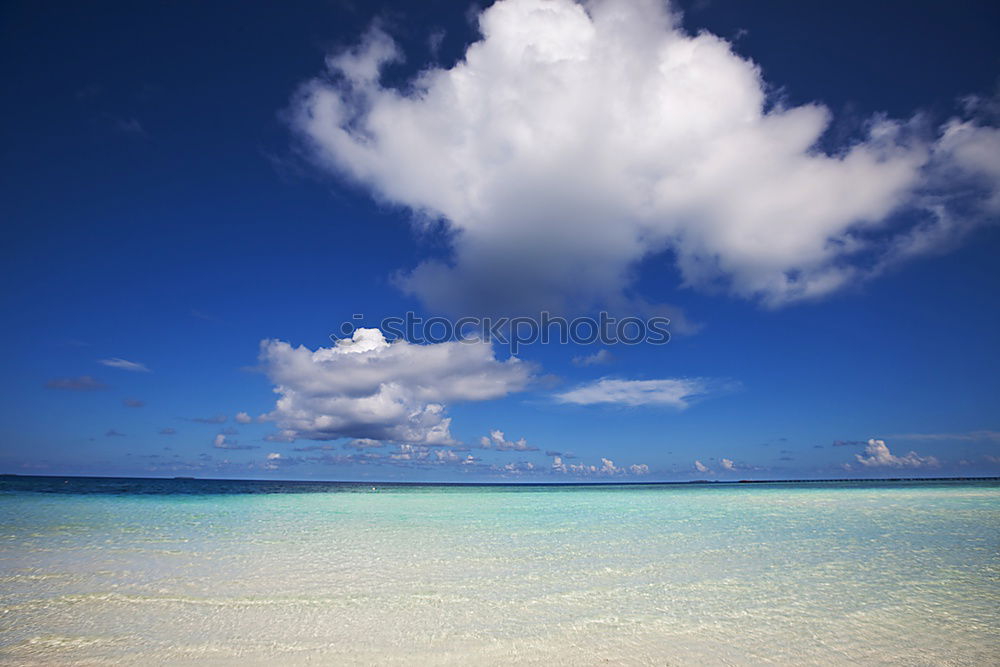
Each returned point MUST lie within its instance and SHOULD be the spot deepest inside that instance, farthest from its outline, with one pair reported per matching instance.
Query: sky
(209, 209)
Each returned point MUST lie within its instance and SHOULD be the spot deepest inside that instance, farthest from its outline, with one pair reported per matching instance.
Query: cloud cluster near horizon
(606, 469)
(499, 442)
(368, 389)
(877, 455)
(573, 141)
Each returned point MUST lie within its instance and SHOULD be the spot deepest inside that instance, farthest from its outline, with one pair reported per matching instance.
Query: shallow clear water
(176, 572)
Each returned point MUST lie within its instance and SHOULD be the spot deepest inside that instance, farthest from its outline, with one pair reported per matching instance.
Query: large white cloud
(574, 140)
(369, 389)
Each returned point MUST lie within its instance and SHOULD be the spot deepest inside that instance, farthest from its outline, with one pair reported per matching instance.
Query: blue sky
(811, 194)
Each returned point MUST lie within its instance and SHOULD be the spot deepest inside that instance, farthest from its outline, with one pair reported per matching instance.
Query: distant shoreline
(839, 480)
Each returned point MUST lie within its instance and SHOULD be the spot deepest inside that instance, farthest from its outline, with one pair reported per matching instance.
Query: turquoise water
(177, 572)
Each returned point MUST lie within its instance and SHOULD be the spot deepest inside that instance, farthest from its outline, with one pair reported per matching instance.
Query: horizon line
(980, 478)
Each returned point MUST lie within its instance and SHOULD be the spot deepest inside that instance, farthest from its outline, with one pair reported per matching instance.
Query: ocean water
(176, 572)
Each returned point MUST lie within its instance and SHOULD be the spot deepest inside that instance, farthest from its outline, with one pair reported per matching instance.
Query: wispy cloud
(597, 358)
(967, 436)
(133, 403)
(677, 393)
(848, 443)
(81, 383)
(124, 365)
(208, 317)
(217, 419)
(130, 126)
(364, 443)
(112, 433)
(222, 442)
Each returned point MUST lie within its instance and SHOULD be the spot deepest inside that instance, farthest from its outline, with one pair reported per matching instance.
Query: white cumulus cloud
(498, 441)
(222, 441)
(574, 140)
(877, 454)
(367, 388)
(606, 469)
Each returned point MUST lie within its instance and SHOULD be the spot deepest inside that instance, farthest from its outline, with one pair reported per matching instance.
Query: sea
(142, 571)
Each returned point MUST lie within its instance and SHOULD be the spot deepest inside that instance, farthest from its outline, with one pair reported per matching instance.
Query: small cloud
(124, 365)
(728, 464)
(274, 460)
(552, 452)
(701, 467)
(364, 443)
(201, 315)
(168, 431)
(598, 358)
(217, 419)
(130, 126)
(114, 434)
(877, 454)
(497, 441)
(88, 92)
(434, 41)
(243, 418)
(222, 442)
(848, 443)
(81, 383)
(133, 403)
(817, 446)
(125, 125)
